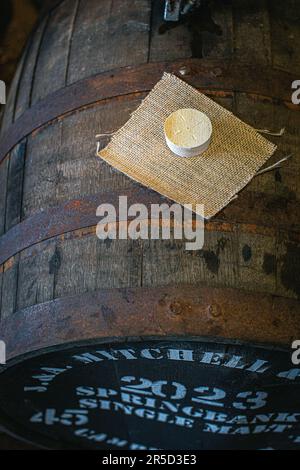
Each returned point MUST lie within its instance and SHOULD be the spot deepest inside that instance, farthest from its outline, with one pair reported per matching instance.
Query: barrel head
(154, 394)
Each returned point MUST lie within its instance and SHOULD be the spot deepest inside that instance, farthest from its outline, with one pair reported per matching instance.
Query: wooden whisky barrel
(139, 343)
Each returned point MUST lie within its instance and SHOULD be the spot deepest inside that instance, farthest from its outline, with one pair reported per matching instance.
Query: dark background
(17, 19)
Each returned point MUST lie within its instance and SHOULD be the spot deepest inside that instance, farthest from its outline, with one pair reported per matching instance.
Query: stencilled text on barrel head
(156, 395)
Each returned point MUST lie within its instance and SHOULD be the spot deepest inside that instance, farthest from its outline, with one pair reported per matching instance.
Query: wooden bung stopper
(188, 132)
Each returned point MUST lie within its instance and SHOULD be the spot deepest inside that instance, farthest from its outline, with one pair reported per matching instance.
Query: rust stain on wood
(232, 76)
(161, 311)
(79, 216)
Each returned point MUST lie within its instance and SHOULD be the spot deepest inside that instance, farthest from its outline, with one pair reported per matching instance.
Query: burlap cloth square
(235, 154)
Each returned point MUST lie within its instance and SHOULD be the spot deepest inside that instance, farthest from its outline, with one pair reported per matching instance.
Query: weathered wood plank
(68, 167)
(3, 186)
(260, 115)
(257, 262)
(285, 35)
(283, 183)
(287, 267)
(15, 186)
(78, 262)
(167, 44)
(217, 42)
(287, 179)
(10, 287)
(52, 62)
(168, 262)
(90, 263)
(23, 100)
(39, 168)
(252, 40)
(108, 35)
(225, 100)
(36, 274)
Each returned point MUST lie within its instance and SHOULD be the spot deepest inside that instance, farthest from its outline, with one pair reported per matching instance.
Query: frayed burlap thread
(234, 156)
